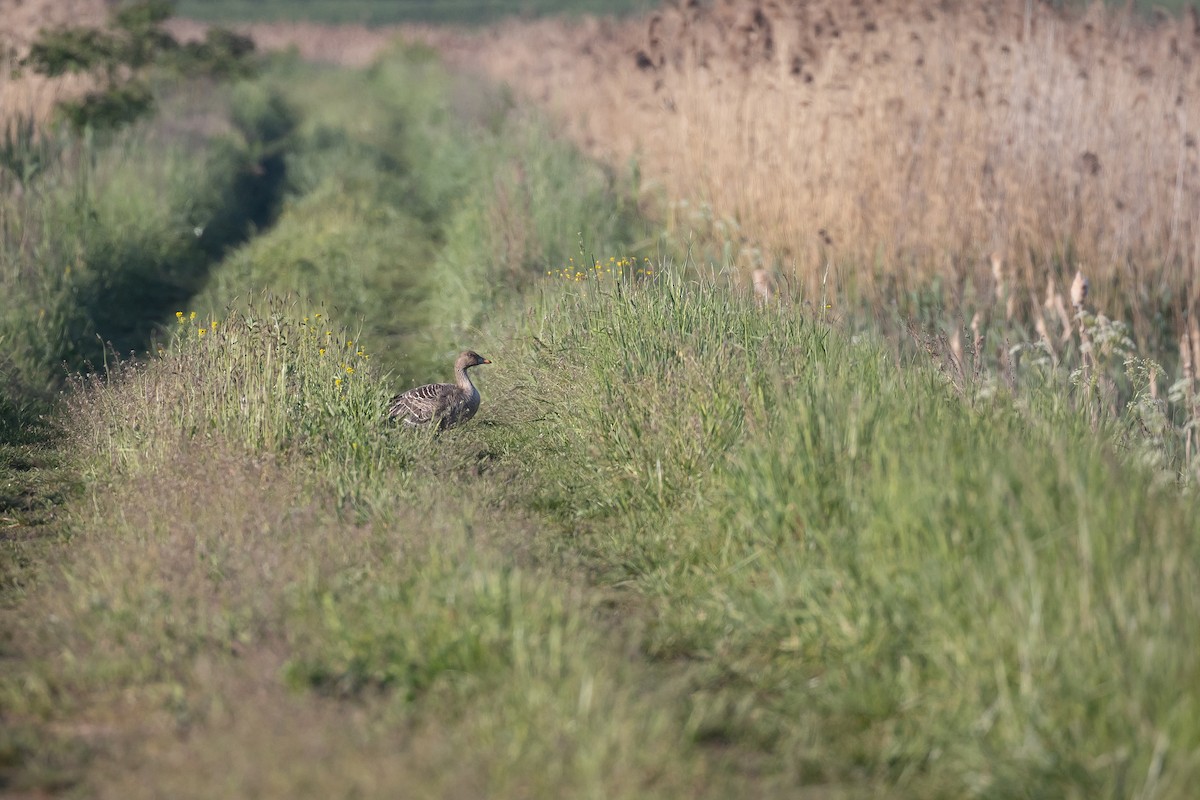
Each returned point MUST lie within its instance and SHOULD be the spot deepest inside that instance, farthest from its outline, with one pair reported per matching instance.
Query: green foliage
(96, 253)
(114, 108)
(120, 56)
(222, 54)
(860, 565)
(25, 152)
(441, 204)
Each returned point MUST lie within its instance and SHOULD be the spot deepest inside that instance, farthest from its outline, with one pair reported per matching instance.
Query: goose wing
(423, 404)
(459, 408)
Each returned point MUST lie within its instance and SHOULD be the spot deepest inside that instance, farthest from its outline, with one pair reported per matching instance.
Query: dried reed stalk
(902, 139)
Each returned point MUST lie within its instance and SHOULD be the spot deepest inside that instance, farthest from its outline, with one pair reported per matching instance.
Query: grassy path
(690, 547)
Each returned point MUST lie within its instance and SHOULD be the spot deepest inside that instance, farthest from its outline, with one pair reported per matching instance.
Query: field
(391, 12)
(463, 12)
(781, 486)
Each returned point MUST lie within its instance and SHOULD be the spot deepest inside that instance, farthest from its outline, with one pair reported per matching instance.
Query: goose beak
(487, 361)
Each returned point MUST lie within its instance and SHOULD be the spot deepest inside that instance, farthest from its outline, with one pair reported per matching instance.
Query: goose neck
(463, 380)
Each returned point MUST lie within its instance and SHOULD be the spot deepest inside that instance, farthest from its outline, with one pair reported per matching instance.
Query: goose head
(469, 358)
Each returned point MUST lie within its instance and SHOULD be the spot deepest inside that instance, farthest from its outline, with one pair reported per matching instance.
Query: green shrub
(120, 57)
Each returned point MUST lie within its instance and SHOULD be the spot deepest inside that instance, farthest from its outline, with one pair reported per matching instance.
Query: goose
(445, 404)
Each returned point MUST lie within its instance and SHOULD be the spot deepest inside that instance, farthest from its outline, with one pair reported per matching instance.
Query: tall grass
(32, 96)
(853, 576)
(876, 583)
(443, 203)
(100, 246)
(895, 151)
(940, 176)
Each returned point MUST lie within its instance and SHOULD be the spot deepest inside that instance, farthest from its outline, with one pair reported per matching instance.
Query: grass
(692, 545)
(100, 248)
(444, 202)
(873, 581)
(846, 577)
(374, 12)
(888, 157)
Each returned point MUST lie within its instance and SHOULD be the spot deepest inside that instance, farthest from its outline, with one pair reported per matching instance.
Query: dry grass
(32, 95)
(899, 141)
(22, 93)
(344, 45)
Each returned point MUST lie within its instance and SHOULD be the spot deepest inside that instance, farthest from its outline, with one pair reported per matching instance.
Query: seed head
(1079, 290)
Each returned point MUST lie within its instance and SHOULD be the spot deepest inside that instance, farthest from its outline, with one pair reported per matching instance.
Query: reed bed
(896, 147)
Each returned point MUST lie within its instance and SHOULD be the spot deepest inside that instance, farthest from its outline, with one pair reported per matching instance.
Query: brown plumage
(444, 404)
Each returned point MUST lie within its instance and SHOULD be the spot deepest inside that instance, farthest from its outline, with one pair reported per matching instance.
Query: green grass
(100, 247)
(690, 546)
(875, 582)
(441, 203)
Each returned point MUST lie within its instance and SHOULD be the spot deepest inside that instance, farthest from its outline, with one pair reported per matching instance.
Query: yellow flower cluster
(201, 329)
(615, 269)
(347, 354)
(337, 359)
(346, 367)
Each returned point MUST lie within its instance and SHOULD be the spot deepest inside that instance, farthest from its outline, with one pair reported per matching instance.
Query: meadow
(696, 543)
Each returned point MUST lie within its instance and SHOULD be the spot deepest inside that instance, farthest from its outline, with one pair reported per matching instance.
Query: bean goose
(444, 404)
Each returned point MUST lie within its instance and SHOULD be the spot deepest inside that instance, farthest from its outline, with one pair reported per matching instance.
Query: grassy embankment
(689, 546)
(98, 243)
(946, 172)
